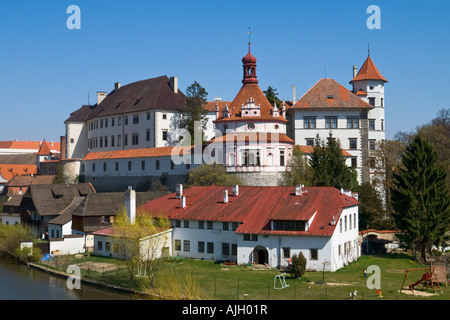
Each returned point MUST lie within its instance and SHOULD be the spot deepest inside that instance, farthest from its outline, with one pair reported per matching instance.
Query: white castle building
(127, 138)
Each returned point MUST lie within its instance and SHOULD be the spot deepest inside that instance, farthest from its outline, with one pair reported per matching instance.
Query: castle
(132, 135)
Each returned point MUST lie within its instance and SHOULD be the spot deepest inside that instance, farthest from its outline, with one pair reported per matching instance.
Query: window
(251, 157)
(210, 247)
(172, 165)
(209, 224)
(93, 167)
(117, 166)
(142, 165)
(371, 145)
(186, 245)
(177, 223)
(286, 252)
(331, 122)
(225, 225)
(136, 119)
(177, 245)
(148, 115)
(99, 245)
(164, 135)
(135, 139)
(201, 224)
(289, 225)
(186, 224)
(382, 124)
(354, 162)
(112, 141)
(313, 254)
(119, 121)
(234, 226)
(250, 237)
(129, 166)
(157, 165)
(234, 249)
(372, 101)
(201, 246)
(309, 122)
(225, 249)
(108, 246)
(147, 135)
(345, 223)
(125, 120)
(125, 139)
(112, 121)
(353, 142)
(371, 124)
(104, 166)
(382, 102)
(352, 123)
(309, 142)
(282, 158)
(164, 116)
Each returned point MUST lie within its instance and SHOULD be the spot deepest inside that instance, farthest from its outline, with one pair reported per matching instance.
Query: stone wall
(258, 178)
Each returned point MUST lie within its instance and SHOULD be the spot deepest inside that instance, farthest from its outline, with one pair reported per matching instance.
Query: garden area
(189, 279)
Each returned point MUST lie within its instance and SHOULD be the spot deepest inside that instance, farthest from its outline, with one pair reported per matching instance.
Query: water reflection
(19, 282)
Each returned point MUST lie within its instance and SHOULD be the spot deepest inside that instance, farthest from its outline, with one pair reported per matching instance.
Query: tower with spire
(368, 84)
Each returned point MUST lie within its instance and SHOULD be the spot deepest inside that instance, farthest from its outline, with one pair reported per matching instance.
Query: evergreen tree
(195, 119)
(328, 164)
(420, 197)
(271, 95)
(371, 212)
(298, 266)
(297, 170)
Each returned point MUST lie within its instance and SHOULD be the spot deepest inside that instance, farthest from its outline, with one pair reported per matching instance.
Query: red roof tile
(326, 94)
(255, 207)
(254, 137)
(137, 153)
(368, 72)
(251, 90)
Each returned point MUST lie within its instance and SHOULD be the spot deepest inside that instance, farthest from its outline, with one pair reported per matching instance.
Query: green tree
(195, 118)
(211, 174)
(272, 96)
(371, 211)
(297, 170)
(59, 177)
(11, 236)
(298, 266)
(420, 197)
(328, 165)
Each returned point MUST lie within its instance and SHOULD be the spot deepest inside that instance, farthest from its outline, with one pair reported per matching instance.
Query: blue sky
(49, 71)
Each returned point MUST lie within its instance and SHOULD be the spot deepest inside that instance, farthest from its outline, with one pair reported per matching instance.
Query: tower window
(372, 101)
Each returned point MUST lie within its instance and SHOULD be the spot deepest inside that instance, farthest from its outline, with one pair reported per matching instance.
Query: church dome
(249, 58)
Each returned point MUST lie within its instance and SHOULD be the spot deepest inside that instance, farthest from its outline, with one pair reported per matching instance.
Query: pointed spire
(368, 72)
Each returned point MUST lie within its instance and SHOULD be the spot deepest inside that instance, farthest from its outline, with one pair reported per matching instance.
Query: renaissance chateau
(132, 135)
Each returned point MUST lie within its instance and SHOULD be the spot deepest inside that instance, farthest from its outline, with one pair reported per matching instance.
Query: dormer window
(251, 126)
(289, 225)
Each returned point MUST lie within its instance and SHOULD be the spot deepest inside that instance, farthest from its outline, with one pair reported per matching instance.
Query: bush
(298, 265)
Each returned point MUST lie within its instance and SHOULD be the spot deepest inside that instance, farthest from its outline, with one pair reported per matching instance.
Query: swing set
(429, 279)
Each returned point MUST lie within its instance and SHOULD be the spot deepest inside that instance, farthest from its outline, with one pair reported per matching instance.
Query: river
(19, 282)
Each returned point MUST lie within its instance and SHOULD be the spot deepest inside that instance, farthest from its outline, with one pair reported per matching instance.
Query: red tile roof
(137, 153)
(368, 72)
(254, 137)
(255, 207)
(31, 145)
(310, 150)
(9, 171)
(251, 90)
(328, 94)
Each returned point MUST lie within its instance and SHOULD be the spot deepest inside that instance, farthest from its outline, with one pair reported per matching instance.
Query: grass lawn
(213, 280)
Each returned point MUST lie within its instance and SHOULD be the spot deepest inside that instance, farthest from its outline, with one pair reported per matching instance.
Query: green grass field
(213, 280)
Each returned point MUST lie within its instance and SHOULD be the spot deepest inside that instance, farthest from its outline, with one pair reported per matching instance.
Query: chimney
(298, 189)
(101, 95)
(294, 94)
(179, 191)
(355, 71)
(225, 196)
(183, 202)
(333, 221)
(130, 204)
(117, 86)
(62, 147)
(236, 190)
(173, 82)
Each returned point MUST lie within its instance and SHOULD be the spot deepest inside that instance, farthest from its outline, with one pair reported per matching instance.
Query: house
(18, 185)
(24, 147)
(114, 171)
(97, 211)
(12, 165)
(251, 139)
(354, 117)
(138, 115)
(106, 241)
(263, 225)
(42, 203)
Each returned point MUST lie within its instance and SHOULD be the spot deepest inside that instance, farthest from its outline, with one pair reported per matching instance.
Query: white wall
(68, 245)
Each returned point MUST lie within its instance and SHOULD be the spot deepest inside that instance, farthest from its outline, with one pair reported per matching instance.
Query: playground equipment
(428, 279)
(281, 279)
(379, 293)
